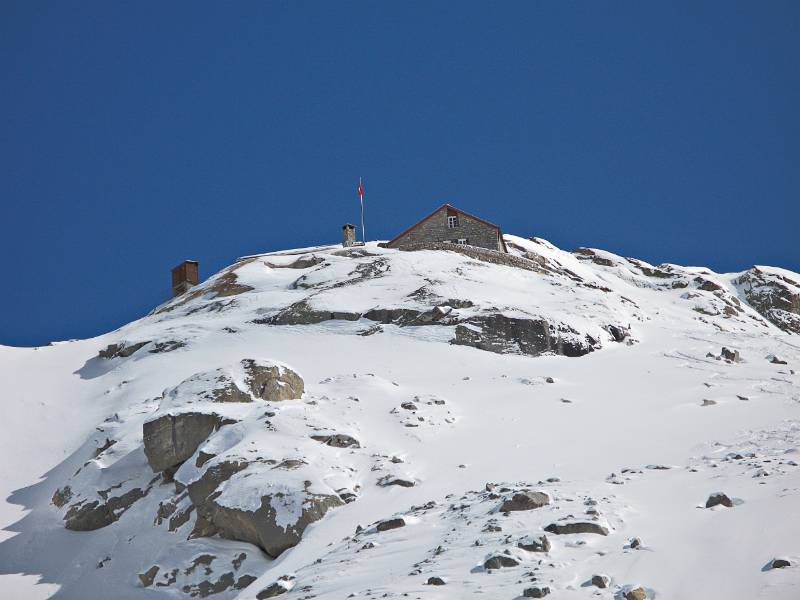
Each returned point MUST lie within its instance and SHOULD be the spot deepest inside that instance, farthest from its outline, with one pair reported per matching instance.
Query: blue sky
(136, 134)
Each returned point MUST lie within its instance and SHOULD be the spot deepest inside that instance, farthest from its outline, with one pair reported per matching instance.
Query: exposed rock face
(272, 382)
(717, 499)
(263, 526)
(525, 501)
(600, 581)
(265, 380)
(171, 439)
(89, 516)
(774, 295)
(121, 350)
(576, 527)
(536, 592)
(62, 496)
(436, 581)
(301, 313)
(534, 337)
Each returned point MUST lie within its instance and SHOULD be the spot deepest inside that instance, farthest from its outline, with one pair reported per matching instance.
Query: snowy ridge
(331, 423)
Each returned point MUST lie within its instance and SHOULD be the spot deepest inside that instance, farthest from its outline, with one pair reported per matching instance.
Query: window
(452, 222)
(461, 241)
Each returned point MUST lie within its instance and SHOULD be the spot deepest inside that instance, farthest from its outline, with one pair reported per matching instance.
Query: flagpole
(361, 197)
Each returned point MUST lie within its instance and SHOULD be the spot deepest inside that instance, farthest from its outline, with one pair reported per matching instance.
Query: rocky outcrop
(301, 313)
(536, 592)
(600, 581)
(121, 349)
(390, 524)
(262, 526)
(779, 563)
(535, 545)
(576, 527)
(717, 499)
(337, 440)
(272, 381)
(637, 593)
(265, 380)
(774, 296)
(88, 516)
(500, 561)
(525, 501)
(533, 337)
(171, 439)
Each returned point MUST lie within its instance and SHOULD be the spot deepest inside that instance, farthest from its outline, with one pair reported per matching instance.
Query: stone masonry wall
(435, 230)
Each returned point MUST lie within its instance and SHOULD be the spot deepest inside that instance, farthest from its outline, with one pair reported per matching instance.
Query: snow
(631, 407)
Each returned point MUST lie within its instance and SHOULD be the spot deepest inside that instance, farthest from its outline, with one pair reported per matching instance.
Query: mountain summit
(367, 422)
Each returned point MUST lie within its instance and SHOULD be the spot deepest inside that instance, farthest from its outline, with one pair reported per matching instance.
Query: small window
(452, 222)
(461, 241)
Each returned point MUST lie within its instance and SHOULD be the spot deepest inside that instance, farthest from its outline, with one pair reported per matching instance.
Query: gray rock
(533, 337)
(436, 581)
(776, 360)
(171, 439)
(773, 296)
(62, 496)
(258, 526)
(718, 498)
(272, 382)
(536, 592)
(390, 480)
(637, 593)
(779, 563)
(500, 561)
(390, 524)
(301, 313)
(576, 527)
(540, 545)
(272, 590)
(707, 402)
(337, 440)
(731, 355)
(148, 576)
(121, 350)
(89, 516)
(635, 543)
(525, 501)
(600, 581)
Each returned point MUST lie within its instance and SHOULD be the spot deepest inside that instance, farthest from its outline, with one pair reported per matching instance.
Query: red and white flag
(360, 189)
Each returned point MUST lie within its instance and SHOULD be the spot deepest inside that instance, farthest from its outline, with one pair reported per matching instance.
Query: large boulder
(525, 501)
(240, 382)
(533, 337)
(272, 381)
(576, 527)
(276, 525)
(172, 438)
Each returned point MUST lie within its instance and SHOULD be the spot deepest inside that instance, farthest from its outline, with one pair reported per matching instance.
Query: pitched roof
(458, 210)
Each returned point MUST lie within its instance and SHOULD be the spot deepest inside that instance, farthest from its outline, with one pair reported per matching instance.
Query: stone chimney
(185, 276)
(348, 235)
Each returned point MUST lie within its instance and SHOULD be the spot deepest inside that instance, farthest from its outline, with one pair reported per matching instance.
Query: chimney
(185, 276)
(348, 235)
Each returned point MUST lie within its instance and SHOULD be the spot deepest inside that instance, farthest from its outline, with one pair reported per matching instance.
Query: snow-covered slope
(331, 423)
